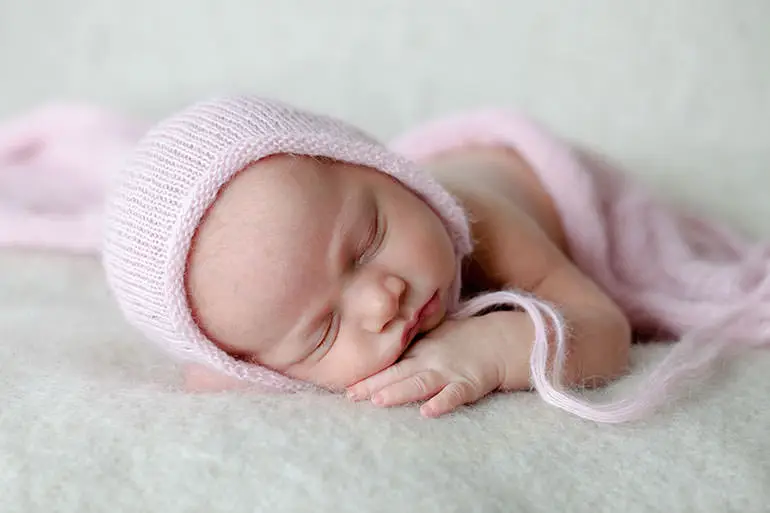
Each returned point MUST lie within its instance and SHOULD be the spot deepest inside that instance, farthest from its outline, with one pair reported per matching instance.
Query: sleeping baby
(276, 249)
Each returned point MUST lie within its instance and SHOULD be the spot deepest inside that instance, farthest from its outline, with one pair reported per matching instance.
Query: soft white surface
(678, 91)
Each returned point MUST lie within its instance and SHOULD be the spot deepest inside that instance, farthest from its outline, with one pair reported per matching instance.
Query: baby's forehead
(273, 189)
(264, 237)
(282, 178)
(279, 217)
(269, 201)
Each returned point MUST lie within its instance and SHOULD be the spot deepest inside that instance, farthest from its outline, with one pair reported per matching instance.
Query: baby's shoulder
(513, 246)
(498, 188)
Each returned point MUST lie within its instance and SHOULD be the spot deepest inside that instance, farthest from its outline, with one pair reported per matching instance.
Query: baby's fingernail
(352, 395)
(378, 399)
(428, 411)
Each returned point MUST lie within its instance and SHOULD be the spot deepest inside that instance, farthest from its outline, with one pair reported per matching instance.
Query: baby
(328, 272)
(275, 248)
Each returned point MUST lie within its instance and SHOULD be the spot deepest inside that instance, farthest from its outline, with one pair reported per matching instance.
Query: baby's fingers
(415, 388)
(453, 395)
(365, 388)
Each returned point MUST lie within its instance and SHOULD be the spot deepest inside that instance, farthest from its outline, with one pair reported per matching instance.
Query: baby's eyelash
(329, 334)
(373, 240)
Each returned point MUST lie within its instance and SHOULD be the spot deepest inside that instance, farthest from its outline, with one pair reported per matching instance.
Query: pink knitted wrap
(158, 200)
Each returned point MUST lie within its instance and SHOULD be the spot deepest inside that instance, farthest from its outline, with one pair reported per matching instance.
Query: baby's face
(319, 269)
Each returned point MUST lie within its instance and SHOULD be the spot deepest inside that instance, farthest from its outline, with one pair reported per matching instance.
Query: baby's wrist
(514, 334)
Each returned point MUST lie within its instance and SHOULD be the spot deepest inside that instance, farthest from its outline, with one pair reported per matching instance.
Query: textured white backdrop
(676, 91)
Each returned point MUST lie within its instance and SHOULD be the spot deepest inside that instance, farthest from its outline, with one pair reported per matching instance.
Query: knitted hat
(157, 202)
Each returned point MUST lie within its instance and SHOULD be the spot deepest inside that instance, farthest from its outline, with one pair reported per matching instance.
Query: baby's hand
(457, 363)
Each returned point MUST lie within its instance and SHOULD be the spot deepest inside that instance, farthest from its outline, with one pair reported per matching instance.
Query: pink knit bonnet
(158, 200)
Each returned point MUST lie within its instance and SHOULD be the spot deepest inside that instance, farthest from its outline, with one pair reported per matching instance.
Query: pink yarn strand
(690, 358)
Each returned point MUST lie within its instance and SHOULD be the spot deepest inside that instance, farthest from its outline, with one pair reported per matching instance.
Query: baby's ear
(200, 379)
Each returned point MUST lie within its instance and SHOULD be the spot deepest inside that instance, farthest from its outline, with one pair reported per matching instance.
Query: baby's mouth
(419, 336)
(425, 311)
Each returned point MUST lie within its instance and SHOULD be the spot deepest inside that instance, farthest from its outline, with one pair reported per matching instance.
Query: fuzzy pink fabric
(670, 272)
(54, 163)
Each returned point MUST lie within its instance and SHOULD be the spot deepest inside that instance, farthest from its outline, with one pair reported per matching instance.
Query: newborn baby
(271, 247)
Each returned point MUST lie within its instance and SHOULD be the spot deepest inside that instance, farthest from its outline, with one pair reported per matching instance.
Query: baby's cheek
(349, 363)
(435, 253)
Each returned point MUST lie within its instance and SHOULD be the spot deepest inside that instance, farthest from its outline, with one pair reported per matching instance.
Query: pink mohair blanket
(54, 164)
(672, 273)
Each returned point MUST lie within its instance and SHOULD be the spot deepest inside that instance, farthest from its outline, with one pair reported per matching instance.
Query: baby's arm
(517, 254)
(464, 360)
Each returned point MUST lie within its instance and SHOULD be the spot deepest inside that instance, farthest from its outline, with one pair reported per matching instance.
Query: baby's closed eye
(328, 334)
(373, 239)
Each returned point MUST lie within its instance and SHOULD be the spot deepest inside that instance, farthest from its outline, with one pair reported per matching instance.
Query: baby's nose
(394, 285)
(382, 303)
